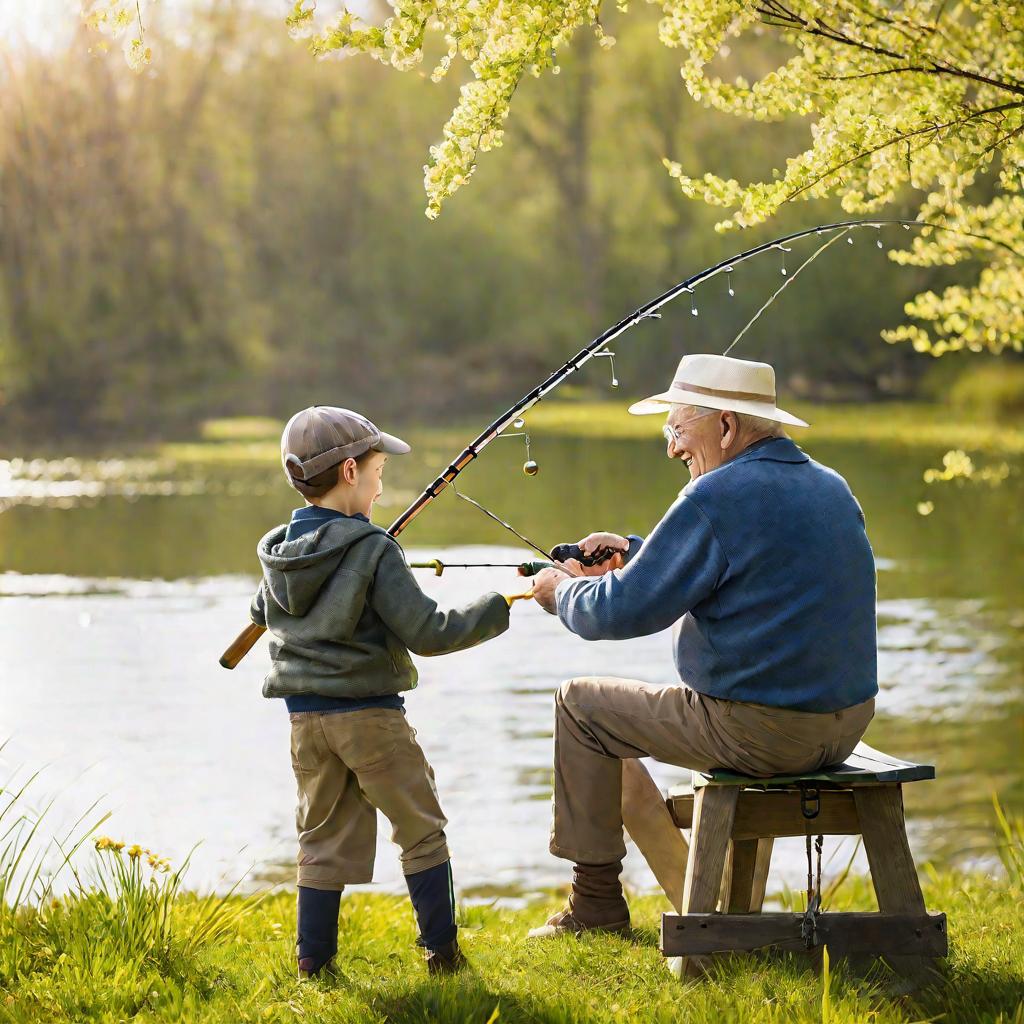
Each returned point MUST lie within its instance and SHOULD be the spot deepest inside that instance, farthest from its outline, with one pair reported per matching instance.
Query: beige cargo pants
(348, 766)
(600, 721)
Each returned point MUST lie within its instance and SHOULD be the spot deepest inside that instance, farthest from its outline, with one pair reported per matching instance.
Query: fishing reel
(561, 552)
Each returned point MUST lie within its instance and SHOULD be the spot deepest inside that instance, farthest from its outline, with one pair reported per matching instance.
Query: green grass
(241, 429)
(132, 946)
(67, 963)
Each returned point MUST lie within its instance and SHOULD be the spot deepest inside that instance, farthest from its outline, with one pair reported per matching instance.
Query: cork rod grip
(241, 645)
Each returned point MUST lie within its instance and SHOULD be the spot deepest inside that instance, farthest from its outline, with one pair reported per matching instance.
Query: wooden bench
(734, 821)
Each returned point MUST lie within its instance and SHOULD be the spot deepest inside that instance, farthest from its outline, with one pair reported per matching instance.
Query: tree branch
(878, 74)
(903, 136)
(1006, 138)
(791, 20)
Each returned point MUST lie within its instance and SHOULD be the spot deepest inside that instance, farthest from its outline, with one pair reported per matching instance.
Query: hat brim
(391, 445)
(664, 401)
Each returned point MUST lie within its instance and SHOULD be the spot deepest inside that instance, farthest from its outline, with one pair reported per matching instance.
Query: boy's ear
(348, 471)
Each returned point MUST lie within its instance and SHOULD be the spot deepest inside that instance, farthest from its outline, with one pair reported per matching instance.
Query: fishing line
(785, 284)
(464, 565)
(500, 522)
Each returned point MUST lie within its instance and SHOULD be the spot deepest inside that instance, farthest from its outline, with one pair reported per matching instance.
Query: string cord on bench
(810, 806)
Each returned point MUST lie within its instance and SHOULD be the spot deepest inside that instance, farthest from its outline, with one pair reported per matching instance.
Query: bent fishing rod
(599, 347)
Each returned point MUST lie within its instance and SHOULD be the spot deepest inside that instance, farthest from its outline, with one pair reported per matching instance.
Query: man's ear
(348, 472)
(729, 426)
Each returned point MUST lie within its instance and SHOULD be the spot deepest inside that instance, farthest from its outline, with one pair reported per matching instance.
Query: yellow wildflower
(158, 863)
(135, 851)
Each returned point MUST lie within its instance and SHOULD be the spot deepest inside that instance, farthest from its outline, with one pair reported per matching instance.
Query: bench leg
(893, 872)
(650, 826)
(749, 860)
(714, 809)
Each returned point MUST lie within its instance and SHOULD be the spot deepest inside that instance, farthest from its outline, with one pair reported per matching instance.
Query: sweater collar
(768, 449)
(772, 449)
(311, 517)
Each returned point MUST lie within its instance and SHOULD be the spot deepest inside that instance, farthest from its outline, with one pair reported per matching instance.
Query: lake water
(123, 580)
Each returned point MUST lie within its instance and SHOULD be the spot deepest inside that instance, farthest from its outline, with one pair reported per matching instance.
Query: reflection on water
(70, 483)
(113, 611)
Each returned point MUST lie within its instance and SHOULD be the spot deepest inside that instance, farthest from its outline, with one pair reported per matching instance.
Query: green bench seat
(865, 766)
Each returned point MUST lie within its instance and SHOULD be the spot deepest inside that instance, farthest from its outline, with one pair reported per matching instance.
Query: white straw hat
(721, 382)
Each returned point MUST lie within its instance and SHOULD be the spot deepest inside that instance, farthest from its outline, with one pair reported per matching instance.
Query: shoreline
(252, 439)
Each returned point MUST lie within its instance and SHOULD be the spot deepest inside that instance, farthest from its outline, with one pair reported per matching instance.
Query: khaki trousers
(600, 721)
(348, 766)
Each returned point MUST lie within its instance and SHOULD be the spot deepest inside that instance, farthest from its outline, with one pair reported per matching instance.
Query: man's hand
(544, 584)
(595, 541)
(615, 562)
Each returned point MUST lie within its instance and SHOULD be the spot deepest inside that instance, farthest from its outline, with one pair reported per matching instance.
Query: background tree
(915, 93)
(236, 228)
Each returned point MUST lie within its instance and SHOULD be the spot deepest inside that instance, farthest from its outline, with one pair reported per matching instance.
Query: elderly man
(764, 567)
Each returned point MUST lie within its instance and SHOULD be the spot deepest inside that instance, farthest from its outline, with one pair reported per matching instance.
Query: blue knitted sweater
(765, 565)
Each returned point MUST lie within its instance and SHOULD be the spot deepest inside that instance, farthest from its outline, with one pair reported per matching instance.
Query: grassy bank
(132, 946)
(911, 425)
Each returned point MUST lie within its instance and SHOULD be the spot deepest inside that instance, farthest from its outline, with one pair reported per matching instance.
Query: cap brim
(663, 402)
(392, 445)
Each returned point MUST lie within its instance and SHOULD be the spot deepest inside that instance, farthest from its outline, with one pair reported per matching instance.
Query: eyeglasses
(672, 434)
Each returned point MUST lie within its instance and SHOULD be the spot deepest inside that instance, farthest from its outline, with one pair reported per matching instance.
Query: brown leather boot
(596, 903)
(448, 959)
(310, 969)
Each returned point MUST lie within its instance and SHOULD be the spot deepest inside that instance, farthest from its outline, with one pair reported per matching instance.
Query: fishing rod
(559, 553)
(513, 416)
(525, 568)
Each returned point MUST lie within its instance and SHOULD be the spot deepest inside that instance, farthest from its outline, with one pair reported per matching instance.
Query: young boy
(344, 611)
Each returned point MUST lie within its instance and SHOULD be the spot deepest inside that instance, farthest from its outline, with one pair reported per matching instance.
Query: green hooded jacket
(344, 611)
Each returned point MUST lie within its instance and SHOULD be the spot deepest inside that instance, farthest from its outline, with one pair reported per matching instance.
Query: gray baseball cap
(323, 436)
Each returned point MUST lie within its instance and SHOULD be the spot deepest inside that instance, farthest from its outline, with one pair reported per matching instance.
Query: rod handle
(532, 568)
(241, 645)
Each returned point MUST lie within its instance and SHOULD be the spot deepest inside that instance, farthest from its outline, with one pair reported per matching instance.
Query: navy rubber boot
(433, 901)
(317, 911)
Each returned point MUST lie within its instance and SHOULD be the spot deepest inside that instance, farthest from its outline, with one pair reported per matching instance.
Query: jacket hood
(296, 570)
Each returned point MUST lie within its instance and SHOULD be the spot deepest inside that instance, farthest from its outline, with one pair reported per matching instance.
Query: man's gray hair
(761, 425)
(754, 424)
